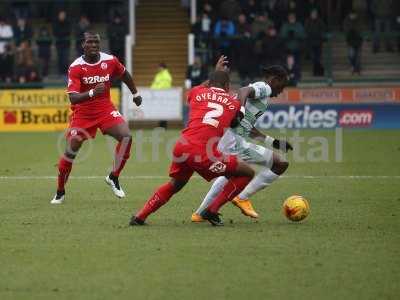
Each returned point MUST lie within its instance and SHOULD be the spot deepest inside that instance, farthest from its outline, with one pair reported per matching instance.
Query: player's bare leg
(263, 179)
(237, 181)
(65, 166)
(123, 135)
(158, 199)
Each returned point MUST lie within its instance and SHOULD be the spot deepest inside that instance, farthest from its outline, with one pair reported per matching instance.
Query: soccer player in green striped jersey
(236, 141)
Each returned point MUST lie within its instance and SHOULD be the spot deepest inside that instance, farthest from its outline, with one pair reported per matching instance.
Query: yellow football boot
(196, 218)
(245, 206)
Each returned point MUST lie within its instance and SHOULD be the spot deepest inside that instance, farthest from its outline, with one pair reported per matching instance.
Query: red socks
(122, 153)
(159, 198)
(64, 168)
(231, 189)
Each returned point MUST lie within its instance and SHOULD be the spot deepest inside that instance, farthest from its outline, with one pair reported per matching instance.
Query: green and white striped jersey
(255, 108)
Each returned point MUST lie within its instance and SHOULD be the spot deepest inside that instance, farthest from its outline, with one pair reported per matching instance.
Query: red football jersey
(211, 112)
(83, 76)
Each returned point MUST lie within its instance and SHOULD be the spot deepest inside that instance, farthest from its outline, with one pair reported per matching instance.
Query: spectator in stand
(202, 31)
(343, 8)
(277, 10)
(7, 59)
(206, 23)
(251, 8)
(43, 42)
(209, 10)
(293, 69)
(383, 13)
(116, 32)
(311, 5)
(62, 34)
(361, 8)
(162, 79)
(32, 74)
(298, 8)
(271, 6)
(292, 7)
(196, 73)
(224, 31)
(242, 25)
(21, 9)
(22, 31)
(354, 40)
(82, 26)
(6, 34)
(258, 30)
(24, 61)
(230, 10)
(293, 33)
(272, 45)
(243, 52)
(315, 30)
(260, 25)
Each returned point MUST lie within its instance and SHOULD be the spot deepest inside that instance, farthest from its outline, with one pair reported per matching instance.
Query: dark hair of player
(277, 77)
(89, 34)
(219, 79)
(276, 71)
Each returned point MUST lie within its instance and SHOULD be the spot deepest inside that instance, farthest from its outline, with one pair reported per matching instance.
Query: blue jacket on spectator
(224, 29)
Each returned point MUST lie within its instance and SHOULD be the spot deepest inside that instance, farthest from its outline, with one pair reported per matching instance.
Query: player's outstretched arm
(76, 98)
(244, 93)
(128, 80)
(270, 141)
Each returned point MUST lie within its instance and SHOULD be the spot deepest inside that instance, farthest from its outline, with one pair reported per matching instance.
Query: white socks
(263, 179)
(216, 188)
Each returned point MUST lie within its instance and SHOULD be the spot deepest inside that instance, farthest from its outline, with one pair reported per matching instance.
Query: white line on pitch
(139, 177)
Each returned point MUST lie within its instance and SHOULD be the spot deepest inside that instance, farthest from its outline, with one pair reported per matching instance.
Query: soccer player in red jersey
(89, 83)
(212, 110)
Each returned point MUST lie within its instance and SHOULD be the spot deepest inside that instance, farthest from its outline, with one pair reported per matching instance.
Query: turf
(348, 248)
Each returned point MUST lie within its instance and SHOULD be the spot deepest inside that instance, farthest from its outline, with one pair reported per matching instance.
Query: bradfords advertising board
(326, 116)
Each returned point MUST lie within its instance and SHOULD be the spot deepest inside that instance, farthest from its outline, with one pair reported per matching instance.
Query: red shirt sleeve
(74, 80)
(119, 68)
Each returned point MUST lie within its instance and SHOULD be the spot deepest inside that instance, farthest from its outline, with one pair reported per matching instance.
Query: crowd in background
(252, 33)
(265, 32)
(28, 46)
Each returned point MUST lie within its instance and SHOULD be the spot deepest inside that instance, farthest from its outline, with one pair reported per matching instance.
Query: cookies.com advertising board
(37, 109)
(329, 116)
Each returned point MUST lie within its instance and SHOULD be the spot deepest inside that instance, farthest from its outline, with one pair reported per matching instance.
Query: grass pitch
(348, 248)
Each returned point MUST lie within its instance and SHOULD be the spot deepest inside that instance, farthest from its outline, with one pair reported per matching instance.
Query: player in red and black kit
(89, 82)
(212, 110)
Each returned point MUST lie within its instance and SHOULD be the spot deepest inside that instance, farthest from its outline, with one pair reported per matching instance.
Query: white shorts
(232, 143)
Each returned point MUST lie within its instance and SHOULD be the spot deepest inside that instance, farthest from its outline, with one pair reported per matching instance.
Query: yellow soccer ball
(296, 208)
